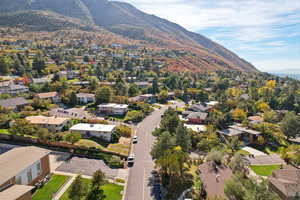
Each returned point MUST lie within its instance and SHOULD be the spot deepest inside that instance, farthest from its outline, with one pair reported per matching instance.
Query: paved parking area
(87, 167)
(57, 159)
(6, 147)
(272, 159)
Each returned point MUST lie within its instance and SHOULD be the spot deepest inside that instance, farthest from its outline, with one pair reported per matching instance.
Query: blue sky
(264, 32)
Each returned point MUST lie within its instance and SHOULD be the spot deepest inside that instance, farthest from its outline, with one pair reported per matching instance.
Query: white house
(84, 98)
(13, 89)
(113, 109)
(102, 131)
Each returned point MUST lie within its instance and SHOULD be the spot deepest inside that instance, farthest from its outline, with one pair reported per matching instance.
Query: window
(39, 168)
(19, 180)
(29, 175)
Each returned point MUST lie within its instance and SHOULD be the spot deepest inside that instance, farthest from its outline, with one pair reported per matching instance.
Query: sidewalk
(64, 188)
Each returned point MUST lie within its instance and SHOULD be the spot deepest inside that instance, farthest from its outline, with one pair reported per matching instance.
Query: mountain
(125, 20)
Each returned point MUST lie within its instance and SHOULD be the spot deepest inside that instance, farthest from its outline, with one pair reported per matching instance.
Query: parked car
(135, 139)
(130, 159)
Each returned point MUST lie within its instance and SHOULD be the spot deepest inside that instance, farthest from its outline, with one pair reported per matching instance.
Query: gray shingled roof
(198, 115)
(13, 102)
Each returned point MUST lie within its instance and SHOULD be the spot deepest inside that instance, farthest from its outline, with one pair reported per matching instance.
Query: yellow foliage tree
(233, 92)
(262, 106)
(271, 84)
(239, 114)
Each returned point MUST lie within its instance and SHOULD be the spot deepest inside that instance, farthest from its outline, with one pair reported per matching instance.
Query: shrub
(124, 131)
(115, 162)
(134, 116)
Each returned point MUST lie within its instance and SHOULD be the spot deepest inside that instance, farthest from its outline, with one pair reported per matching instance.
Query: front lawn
(123, 149)
(264, 170)
(112, 191)
(89, 144)
(5, 131)
(46, 192)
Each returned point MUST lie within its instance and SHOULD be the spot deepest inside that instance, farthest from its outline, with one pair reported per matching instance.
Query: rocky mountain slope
(125, 20)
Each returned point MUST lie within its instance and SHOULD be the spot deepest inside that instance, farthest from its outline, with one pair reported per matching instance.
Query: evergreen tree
(95, 194)
(78, 189)
(103, 95)
(5, 65)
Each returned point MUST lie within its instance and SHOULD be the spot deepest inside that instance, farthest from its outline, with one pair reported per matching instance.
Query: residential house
(200, 107)
(14, 103)
(248, 136)
(41, 81)
(73, 113)
(113, 109)
(22, 168)
(255, 119)
(286, 183)
(149, 98)
(212, 103)
(102, 131)
(13, 89)
(53, 124)
(17, 192)
(214, 178)
(244, 97)
(81, 83)
(69, 74)
(84, 98)
(53, 96)
(195, 127)
(142, 84)
(197, 117)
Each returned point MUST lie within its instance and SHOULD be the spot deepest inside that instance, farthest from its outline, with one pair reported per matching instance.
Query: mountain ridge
(126, 20)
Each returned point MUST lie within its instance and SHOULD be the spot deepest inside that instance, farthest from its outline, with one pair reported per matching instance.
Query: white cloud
(201, 14)
(278, 65)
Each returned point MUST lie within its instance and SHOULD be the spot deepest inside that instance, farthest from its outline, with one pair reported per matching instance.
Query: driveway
(85, 166)
(272, 159)
(56, 159)
(253, 151)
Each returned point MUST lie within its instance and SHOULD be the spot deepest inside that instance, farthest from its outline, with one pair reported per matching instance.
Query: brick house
(197, 117)
(22, 168)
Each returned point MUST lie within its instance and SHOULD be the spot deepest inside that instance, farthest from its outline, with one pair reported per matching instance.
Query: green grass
(264, 170)
(65, 196)
(112, 191)
(88, 143)
(46, 192)
(243, 152)
(5, 131)
(119, 148)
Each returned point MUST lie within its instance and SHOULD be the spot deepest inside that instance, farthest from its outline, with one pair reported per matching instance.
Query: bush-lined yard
(46, 192)
(112, 191)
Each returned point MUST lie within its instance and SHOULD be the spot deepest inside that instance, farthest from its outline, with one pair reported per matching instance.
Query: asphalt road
(139, 185)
